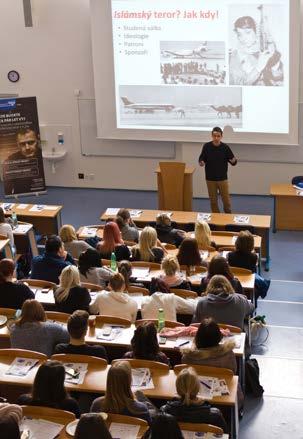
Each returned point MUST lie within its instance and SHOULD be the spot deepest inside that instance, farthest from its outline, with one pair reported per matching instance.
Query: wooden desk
(6, 248)
(261, 223)
(95, 382)
(46, 221)
(288, 207)
(23, 236)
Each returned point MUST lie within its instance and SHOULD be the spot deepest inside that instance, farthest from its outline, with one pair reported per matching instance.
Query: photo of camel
(179, 107)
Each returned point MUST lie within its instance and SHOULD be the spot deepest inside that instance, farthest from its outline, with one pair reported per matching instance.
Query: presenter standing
(215, 156)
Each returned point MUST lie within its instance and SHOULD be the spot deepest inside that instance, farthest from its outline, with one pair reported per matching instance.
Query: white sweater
(170, 303)
(6, 230)
(110, 303)
(97, 276)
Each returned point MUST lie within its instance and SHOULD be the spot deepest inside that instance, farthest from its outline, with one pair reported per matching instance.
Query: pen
(205, 384)
(184, 343)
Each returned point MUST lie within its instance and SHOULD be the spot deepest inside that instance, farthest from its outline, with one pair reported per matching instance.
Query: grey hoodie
(230, 309)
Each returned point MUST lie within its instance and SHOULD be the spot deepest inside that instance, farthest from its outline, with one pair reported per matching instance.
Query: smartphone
(106, 331)
(44, 290)
(162, 340)
(71, 372)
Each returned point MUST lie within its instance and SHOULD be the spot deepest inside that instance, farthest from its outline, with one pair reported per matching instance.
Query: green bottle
(113, 262)
(161, 319)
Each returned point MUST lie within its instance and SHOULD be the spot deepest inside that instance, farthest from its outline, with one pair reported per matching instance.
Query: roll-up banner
(20, 147)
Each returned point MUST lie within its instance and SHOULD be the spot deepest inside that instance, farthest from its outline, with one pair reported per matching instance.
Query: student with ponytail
(12, 294)
(70, 296)
(189, 407)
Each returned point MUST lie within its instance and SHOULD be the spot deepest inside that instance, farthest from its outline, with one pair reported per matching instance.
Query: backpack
(252, 373)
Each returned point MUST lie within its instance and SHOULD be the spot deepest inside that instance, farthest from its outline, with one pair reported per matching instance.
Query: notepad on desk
(203, 216)
(135, 213)
(241, 219)
(124, 431)
(21, 366)
(40, 428)
(112, 211)
(140, 272)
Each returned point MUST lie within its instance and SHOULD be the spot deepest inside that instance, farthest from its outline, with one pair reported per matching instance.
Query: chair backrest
(226, 248)
(239, 270)
(105, 261)
(186, 294)
(8, 312)
(74, 358)
(101, 320)
(134, 363)
(132, 289)
(168, 323)
(123, 419)
(3, 236)
(23, 353)
(92, 287)
(150, 265)
(48, 414)
(205, 370)
(172, 176)
(57, 316)
(239, 228)
(169, 246)
(39, 283)
(197, 269)
(233, 329)
(200, 428)
(224, 233)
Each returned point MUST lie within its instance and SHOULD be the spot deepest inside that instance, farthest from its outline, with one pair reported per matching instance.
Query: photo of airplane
(146, 108)
(188, 53)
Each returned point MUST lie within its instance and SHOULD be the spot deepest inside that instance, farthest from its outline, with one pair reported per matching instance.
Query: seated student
(92, 426)
(147, 249)
(126, 225)
(48, 389)
(208, 350)
(77, 328)
(6, 229)
(245, 257)
(112, 242)
(49, 265)
(70, 296)
(169, 302)
(171, 273)
(10, 417)
(77, 325)
(223, 304)
(189, 407)
(91, 269)
(166, 232)
(125, 268)
(118, 396)
(71, 243)
(189, 254)
(145, 344)
(31, 330)
(164, 426)
(219, 265)
(115, 302)
(12, 294)
(203, 235)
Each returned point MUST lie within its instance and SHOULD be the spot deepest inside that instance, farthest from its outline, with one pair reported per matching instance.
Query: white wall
(54, 58)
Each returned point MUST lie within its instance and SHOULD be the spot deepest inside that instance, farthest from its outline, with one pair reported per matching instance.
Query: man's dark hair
(53, 244)
(245, 22)
(77, 323)
(217, 130)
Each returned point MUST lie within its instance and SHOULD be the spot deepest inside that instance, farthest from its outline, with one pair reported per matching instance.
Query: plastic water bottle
(113, 262)
(161, 319)
(14, 220)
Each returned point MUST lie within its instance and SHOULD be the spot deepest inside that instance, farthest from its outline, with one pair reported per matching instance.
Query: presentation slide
(190, 65)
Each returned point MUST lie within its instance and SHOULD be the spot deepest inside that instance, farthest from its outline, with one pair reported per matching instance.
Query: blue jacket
(49, 266)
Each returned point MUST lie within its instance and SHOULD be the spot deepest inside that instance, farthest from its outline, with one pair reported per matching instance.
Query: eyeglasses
(28, 142)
